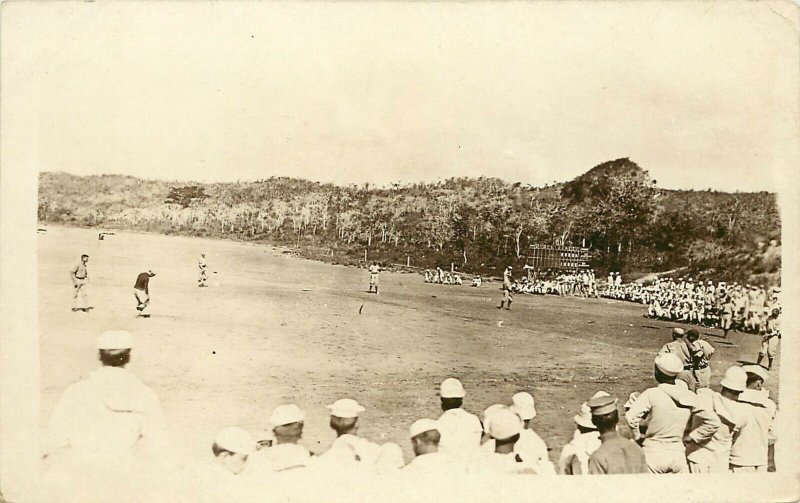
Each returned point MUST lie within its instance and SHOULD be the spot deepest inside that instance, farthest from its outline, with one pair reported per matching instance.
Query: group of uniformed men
(441, 277)
(579, 283)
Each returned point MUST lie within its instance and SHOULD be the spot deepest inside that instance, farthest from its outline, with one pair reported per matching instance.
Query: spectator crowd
(109, 427)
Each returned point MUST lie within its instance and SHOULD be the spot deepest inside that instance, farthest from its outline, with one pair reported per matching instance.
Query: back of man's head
(114, 357)
(343, 425)
(288, 433)
(426, 442)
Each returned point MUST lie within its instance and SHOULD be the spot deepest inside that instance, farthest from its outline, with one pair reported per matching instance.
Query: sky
(701, 94)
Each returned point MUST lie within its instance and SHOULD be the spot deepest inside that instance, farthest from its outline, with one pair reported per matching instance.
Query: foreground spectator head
(390, 458)
(756, 375)
(692, 335)
(504, 426)
(425, 436)
(604, 413)
(114, 348)
(677, 333)
(344, 416)
(287, 423)
(734, 382)
(523, 404)
(667, 367)
(452, 393)
(232, 446)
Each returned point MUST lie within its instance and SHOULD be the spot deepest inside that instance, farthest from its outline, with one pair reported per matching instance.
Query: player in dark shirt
(141, 290)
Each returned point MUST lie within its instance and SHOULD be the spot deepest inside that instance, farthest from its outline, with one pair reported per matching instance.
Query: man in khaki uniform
(670, 408)
(80, 278)
(616, 454)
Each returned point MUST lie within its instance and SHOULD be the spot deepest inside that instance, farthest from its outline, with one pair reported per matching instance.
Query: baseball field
(272, 328)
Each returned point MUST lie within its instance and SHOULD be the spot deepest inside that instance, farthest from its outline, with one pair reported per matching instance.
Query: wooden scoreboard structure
(558, 258)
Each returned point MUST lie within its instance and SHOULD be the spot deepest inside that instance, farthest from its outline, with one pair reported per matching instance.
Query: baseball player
(203, 271)
(374, 269)
(141, 290)
(769, 340)
(507, 283)
(80, 278)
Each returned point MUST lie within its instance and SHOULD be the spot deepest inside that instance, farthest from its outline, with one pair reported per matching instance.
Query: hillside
(478, 224)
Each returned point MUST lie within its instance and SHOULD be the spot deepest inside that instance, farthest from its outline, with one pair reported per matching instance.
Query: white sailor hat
(451, 388)
(346, 408)
(504, 424)
(669, 364)
(523, 404)
(757, 370)
(286, 414)
(115, 339)
(735, 379)
(421, 426)
(235, 439)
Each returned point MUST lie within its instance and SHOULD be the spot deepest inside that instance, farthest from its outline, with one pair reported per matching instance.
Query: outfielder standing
(80, 278)
(374, 269)
(141, 290)
(507, 298)
(203, 277)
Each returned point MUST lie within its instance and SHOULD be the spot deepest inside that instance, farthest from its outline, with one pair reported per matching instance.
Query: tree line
(478, 224)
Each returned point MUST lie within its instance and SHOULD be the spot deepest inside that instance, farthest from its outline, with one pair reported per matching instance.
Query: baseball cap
(602, 405)
(286, 414)
(235, 439)
(421, 426)
(757, 370)
(523, 404)
(346, 408)
(504, 424)
(735, 379)
(451, 388)
(669, 364)
(115, 339)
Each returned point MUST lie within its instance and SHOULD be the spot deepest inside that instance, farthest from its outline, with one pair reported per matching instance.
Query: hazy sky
(702, 94)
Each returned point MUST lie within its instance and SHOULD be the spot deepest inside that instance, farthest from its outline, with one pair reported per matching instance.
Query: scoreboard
(568, 258)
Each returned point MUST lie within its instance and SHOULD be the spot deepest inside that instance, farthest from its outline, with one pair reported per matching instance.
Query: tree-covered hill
(479, 224)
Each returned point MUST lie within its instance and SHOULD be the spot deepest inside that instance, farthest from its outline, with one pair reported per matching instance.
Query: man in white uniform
(750, 450)
(460, 431)
(285, 454)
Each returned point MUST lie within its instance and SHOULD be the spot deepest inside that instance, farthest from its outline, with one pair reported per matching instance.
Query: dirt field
(275, 329)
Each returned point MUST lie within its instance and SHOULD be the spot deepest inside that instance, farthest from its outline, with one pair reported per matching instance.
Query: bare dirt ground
(276, 329)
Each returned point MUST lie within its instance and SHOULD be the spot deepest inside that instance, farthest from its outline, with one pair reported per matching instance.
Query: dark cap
(602, 405)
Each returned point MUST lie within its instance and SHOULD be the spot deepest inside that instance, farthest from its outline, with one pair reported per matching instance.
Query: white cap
(757, 370)
(346, 408)
(286, 414)
(584, 417)
(735, 379)
(115, 339)
(235, 439)
(421, 426)
(523, 404)
(678, 331)
(488, 413)
(669, 364)
(451, 388)
(504, 424)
